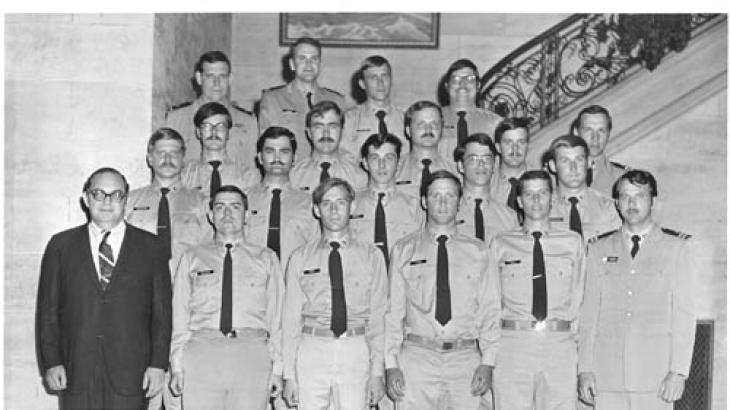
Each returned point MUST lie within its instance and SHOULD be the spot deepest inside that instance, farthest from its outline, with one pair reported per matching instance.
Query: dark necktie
(227, 293)
(426, 171)
(575, 224)
(273, 240)
(539, 282)
(106, 261)
(338, 323)
(215, 177)
(462, 130)
(382, 128)
(478, 218)
(635, 247)
(309, 99)
(512, 198)
(589, 176)
(381, 234)
(324, 175)
(443, 293)
(163, 223)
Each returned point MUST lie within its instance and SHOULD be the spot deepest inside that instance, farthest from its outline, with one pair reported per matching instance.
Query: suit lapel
(88, 257)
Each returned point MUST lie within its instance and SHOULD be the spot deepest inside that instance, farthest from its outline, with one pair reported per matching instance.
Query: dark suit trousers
(101, 395)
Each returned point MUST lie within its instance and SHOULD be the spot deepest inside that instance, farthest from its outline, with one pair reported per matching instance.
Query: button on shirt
(305, 174)
(258, 295)
(477, 119)
(115, 239)
(413, 291)
(361, 123)
(408, 177)
(497, 217)
(308, 299)
(197, 174)
(597, 212)
(298, 225)
(510, 277)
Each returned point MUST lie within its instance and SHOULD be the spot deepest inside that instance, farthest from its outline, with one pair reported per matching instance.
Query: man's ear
(361, 83)
(423, 204)
(365, 165)
(315, 210)
(198, 78)
(519, 202)
(460, 167)
(552, 168)
(291, 64)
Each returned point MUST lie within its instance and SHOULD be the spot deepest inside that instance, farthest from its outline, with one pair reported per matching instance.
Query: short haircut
(595, 109)
(105, 170)
(229, 188)
(509, 124)
(440, 174)
(370, 62)
(164, 134)
(636, 177)
(377, 140)
(319, 109)
(565, 141)
(456, 66)
(479, 138)
(210, 109)
(212, 57)
(305, 40)
(273, 133)
(418, 106)
(531, 175)
(330, 183)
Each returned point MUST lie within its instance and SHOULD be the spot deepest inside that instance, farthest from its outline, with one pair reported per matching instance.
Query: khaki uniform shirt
(361, 123)
(258, 295)
(597, 212)
(510, 278)
(308, 300)
(412, 308)
(605, 174)
(499, 186)
(408, 176)
(638, 317)
(297, 226)
(477, 120)
(286, 106)
(196, 175)
(497, 217)
(305, 174)
(242, 136)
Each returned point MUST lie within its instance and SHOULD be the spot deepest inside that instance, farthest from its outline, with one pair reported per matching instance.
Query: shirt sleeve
(266, 111)
(291, 324)
(396, 312)
(684, 315)
(578, 280)
(378, 305)
(181, 311)
(49, 289)
(490, 306)
(275, 304)
(589, 310)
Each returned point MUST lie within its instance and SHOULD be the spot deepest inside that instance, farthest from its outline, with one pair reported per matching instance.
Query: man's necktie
(106, 261)
(381, 234)
(635, 247)
(227, 293)
(324, 175)
(443, 293)
(462, 129)
(426, 171)
(478, 218)
(338, 323)
(309, 99)
(575, 224)
(382, 128)
(163, 223)
(539, 282)
(215, 177)
(589, 176)
(512, 198)
(273, 240)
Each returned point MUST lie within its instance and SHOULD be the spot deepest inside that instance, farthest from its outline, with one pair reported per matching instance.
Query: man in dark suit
(104, 306)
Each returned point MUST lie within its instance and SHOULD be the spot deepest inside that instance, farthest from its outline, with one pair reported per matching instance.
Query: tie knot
(513, 181)
(215, 164)
(276, 192)
(537, 235)
(381, 195)
(461, 114)
(426, 162)
(442, 239)
(228, 247)
(635, 239)
(325, 166)
(380, 114)
(335, 245)
(164, 191)
(478, 201)
(106, 236)
(573, 200)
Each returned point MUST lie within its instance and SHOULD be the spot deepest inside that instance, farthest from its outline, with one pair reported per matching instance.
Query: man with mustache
(512, 136)
(287, 105)
(213, 77)
(324, 130)
(424, 124)
(575, 206)
(215, 167)
(638, 318)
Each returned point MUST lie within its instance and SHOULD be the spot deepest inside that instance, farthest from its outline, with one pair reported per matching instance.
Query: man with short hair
(225, 351)
(575, 206)
(377, 114)
(511, 137)
(213, 77)
(638, 316)
(594, 125)
(104, 312)
(479, 215)
(216, 167)
(287, 105)
(423, 126)
(536, 277)
(324, 130)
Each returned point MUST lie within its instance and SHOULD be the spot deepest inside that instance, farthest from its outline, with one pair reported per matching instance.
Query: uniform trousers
(438, 380)
(333, 371)
(608, 400)
(101, 394)
(225, 373)
(536, 370)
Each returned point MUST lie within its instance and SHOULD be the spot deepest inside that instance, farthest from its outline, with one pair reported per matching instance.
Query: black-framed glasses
(100, 195)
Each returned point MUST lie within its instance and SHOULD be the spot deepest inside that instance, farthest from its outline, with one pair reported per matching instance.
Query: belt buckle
(447, 345)
(540, 325)
(232, 334)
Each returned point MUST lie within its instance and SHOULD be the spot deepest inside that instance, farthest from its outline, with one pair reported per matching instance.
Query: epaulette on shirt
(274, 88)
(333, 91)
(243, 110)
(183, 105)
(601, 236)
(619, 165)
(680, 235)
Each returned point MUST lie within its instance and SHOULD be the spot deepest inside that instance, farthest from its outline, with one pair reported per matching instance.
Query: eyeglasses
(208, 127)
(479, 159)
(470, 79)
(99, 195)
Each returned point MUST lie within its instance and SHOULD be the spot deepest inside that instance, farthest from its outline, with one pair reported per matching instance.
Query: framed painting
(373, 30)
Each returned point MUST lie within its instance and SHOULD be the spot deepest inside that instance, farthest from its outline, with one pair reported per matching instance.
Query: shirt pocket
(559, 280)
(357, 291)
(516, 281)
(186, 227)
(254, 289)
(316, 288)
(419, 283)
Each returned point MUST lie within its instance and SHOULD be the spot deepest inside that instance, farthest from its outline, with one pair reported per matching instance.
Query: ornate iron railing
(582, 54)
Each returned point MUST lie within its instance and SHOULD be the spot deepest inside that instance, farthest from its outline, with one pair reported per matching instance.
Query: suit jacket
(132, 319)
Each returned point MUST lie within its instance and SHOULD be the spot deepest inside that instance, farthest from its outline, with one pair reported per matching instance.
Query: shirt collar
(433, 236)
(470, 197)
(344, 241)
(238, 242)
(389, 191)
(97, 231)
(175, 186)
(332, 159)
(643, 234)
(562, 196)
(372, 109)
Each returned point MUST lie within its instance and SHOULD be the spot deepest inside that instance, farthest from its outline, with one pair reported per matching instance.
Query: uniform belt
(441, 345)
(555, 325)
(243, 332)
(324, 332)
